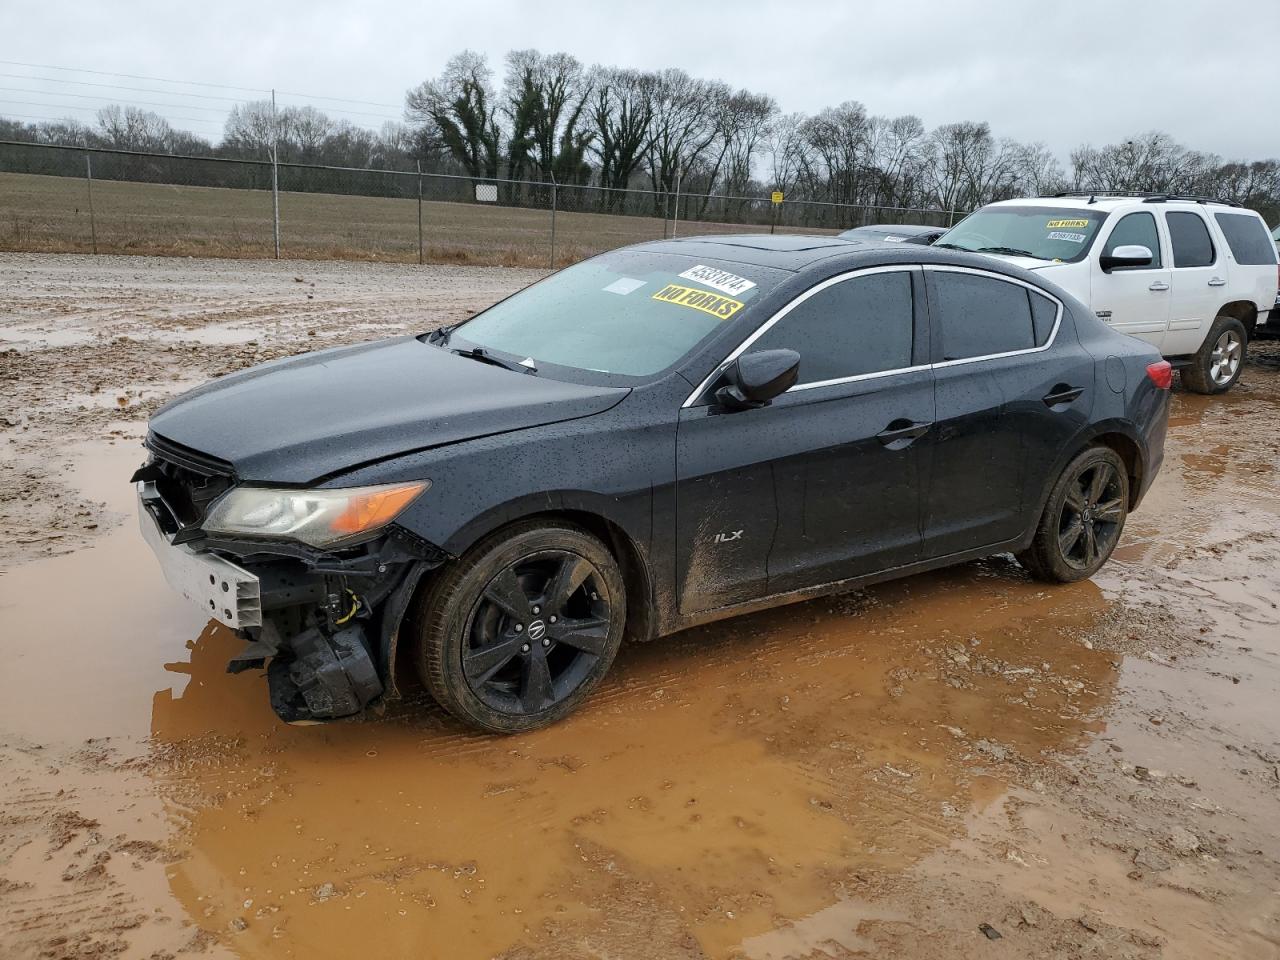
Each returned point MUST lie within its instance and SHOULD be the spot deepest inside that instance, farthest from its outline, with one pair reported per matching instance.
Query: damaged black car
(657, 437)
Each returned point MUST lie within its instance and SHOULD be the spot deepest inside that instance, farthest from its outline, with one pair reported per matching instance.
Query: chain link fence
(76, 199)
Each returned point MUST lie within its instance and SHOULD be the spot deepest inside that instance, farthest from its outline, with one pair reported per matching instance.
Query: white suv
(1190, 275)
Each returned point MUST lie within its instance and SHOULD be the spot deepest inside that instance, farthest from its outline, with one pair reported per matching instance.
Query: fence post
(275, 180)
(675, 211)
(419, 163)
(951, 217)
(88, 179)
(553, 221)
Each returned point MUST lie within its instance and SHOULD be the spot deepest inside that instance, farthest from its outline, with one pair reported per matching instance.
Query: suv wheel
(521, 628)
(1218, 362)
(1083, 519)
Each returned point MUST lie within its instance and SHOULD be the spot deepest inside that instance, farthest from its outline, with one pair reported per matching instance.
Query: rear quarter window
(1247, 238)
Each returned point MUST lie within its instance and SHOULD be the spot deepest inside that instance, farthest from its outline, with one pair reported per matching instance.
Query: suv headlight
(319, 518)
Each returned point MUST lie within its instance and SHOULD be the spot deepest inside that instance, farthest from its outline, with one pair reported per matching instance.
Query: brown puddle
(738, 771)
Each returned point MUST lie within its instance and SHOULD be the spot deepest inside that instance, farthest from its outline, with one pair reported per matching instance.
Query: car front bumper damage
(324, 624)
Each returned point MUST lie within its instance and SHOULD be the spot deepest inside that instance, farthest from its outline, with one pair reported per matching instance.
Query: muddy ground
(962, 764)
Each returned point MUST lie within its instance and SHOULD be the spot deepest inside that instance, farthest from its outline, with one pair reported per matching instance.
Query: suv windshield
(622, 313)
(1045, 233)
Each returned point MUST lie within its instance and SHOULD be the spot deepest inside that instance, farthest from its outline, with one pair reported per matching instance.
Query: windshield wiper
(1010, 252)
(484, 356)
(440, 335)
(952, 246)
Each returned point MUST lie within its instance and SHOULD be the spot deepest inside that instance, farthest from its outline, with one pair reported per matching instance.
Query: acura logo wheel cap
(536, 630)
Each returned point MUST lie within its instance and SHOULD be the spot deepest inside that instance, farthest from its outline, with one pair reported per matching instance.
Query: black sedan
(896, 233)
(658, 437)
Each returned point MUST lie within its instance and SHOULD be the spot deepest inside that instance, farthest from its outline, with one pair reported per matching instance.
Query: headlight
(319, 518)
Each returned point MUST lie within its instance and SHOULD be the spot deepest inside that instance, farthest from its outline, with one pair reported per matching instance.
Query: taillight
(1161, 374)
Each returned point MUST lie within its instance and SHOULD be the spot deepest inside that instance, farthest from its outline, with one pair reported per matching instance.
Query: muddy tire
(1217, 364)
(522, 627)
(1083, 519)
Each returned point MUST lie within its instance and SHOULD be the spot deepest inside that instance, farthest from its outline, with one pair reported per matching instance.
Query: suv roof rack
(1147, 197)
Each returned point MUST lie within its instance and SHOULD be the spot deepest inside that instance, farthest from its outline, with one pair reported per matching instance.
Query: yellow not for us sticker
(712, 303)
(1058, 224)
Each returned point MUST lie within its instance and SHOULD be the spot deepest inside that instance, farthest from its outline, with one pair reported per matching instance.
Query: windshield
(1045, 233)
(624, 313)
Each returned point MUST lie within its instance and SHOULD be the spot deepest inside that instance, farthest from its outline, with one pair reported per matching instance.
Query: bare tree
(129, 128)
(460, 105)
(682, 124)
(622, 114)
(840, 138)
(249, 129)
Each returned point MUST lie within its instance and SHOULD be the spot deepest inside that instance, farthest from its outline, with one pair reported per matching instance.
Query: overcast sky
(1063, 73)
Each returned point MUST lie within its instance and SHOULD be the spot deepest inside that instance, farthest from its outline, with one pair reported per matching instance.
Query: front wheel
(1083, 519)
(1217, 364)
(521, 628)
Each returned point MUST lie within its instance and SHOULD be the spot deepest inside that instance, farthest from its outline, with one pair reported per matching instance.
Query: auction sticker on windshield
(720, 280)
(707, 302)
(1055, 224)
(1072, 237)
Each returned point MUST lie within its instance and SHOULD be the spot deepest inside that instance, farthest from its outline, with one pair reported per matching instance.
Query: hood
(1026, 263)
(304, 418)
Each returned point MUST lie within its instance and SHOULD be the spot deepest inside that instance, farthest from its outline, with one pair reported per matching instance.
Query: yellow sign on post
(777, 196)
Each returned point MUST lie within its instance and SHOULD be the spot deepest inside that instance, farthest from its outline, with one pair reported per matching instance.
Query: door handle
(1217, 282)
(901, 433)
(1062, 393)
(1158, 286)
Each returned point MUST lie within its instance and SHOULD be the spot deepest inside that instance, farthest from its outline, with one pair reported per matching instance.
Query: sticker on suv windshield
(1054, 224)
(712, 303)
(1073, 237)
(720, 280)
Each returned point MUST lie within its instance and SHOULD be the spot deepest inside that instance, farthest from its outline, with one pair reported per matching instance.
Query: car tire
(520, 629)
(1082, 520)
(1216, 366)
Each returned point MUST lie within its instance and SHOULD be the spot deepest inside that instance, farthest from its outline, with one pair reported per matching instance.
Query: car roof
(1109, 203)
(798, 253)
(895, 229)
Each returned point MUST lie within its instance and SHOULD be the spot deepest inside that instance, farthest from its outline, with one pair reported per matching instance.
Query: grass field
(51, 214)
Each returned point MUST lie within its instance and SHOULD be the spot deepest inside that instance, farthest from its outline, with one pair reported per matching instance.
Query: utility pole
(275, 177)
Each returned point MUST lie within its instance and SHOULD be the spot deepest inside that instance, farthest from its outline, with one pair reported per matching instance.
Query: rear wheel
(1083, 519)
(517, 632)
(1217, 364)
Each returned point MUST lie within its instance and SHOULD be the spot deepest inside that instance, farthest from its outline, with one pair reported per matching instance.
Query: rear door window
(1135, 229)
(857, 326)
(1247, 238)
(1192, 245)
(978, 316)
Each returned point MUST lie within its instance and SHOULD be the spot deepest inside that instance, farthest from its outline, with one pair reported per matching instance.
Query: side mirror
(756, 378)
(1130, 255)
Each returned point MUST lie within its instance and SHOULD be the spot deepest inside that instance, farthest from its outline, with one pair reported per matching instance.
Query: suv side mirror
(756, 378)
(1130, 255)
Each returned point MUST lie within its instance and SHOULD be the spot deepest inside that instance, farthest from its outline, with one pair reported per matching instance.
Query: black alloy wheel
(1092, 515)
(1082, 520)
(520, 629)
(536, 631)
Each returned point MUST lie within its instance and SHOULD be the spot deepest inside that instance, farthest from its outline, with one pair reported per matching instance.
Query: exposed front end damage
(323, 622)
